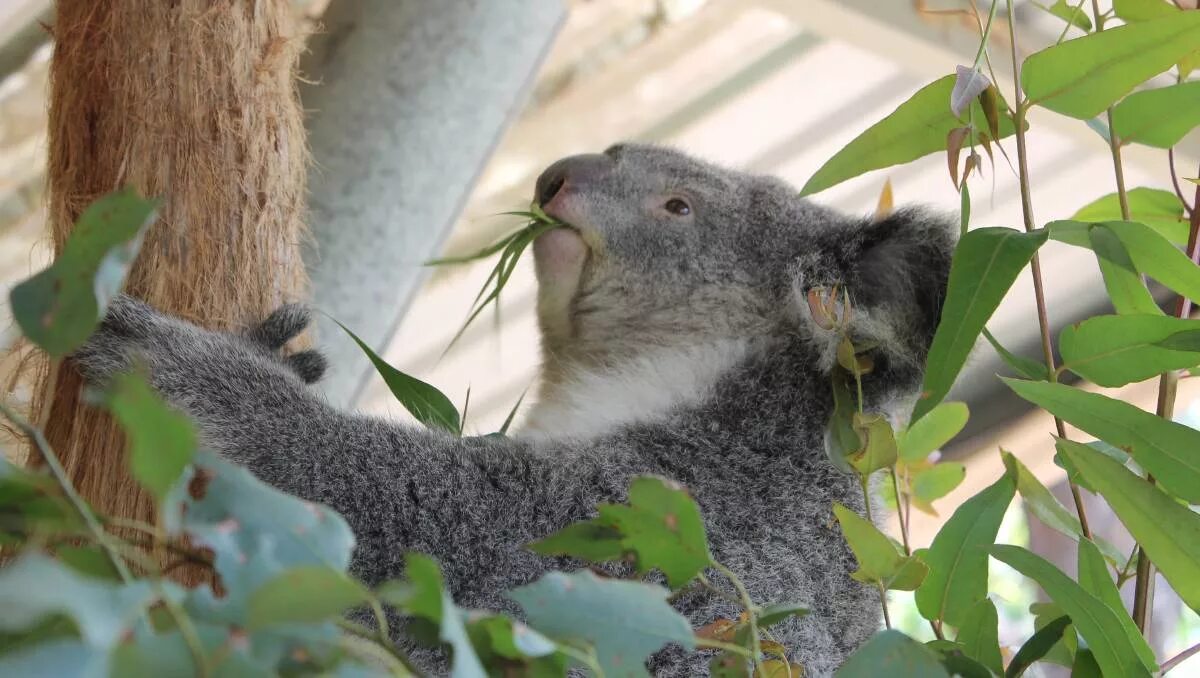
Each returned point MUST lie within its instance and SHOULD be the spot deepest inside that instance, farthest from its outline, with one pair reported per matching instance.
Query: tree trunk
(193, 101)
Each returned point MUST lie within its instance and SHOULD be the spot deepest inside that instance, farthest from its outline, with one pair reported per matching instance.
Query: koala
(677, 340)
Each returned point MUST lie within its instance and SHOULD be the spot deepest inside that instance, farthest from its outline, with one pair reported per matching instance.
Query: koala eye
(678, 207)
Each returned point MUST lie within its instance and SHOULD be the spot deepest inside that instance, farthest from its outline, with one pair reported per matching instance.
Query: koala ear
(894, 272)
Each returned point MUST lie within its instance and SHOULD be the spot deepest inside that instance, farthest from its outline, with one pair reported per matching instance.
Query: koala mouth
(559, 256)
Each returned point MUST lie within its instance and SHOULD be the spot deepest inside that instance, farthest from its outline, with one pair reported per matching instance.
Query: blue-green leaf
(58, 308)
(625, 621)
(891, 653)
(162, 440)
(305, 594)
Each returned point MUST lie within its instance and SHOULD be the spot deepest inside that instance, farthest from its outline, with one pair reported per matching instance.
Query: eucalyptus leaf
(1162, 447)
(1068, 13)
(1026, 367)
(1097, 624)
(1155, 256)
(1082, 77)
(326, 594)
(162, 440)
(1158, 117)
(957, 559)
(915, 129)
(985, 265)
(932, 431)
(1132, 11)
(625, 621)
(979, 636)
(58, 308)
(1125, 286)
(877, 443)
(891, 653)
(1154, 207)
(937, 481)
(879, 562)
(429, 405)
(1114, 350)
(1168, 531)
(1038, 646)
(1093, 576)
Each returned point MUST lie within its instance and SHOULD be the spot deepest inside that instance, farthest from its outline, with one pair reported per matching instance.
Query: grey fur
(749, 446)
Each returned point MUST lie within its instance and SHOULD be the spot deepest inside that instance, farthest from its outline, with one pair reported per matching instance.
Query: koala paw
(286, 323)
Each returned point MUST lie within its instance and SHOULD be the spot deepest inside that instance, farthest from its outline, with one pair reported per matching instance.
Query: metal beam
(410, 99)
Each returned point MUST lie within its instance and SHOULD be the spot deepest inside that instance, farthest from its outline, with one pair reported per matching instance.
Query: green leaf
(162, 440)
(1084, 76)
(1169, 532)
(773, 614)
(879, 561)
(841, 440)
(33, 588)
(985, 264)
(1125, 286)
(936, 482)
(916, 128)
(1047, 508)
(1038, 645)
(58, 308)
(65, 657)
(979, 636)
(891, 653)
(1162, 447)
(515, 648)
(306, 594)
(1158, 209)
(1093, 576)
(1158, 117)
(89, 561)
(877, 443)
(661, 527)
(1155, 256)
(424, 595)
(1114, 453)
(1132, 11)
(1114, 350)
(932, 431)
(624, 621)
(429, 405)
(957, 559)
(1030, 369)
(1097, 624)
(1085, 665)
(1072, 15)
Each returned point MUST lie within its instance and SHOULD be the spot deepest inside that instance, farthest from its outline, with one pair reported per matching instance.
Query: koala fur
(675, 344)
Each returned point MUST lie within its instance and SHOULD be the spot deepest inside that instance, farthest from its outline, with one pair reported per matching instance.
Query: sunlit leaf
(1154, 207)
(933, 483)
(1158, 117)
(429, 405)
(1133, 11)
(1068, 13)
(58, 308)
(877, 443)
(1114, 350)
(1168, 531)
(957, 559)
(879, 561)
(916, 128)
(625, 621)
(1125, 286)
(1155, 256)
(932, 431)
(1084, 76)
(985, 265)
(1097, 624)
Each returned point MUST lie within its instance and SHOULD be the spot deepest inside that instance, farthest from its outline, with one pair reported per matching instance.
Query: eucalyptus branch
(1178, 659)
(1021, 108)
(60, 476)
(900, 504)
(751, 612)
(1187, 208)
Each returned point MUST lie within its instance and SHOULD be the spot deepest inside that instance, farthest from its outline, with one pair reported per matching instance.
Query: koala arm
(471, 503)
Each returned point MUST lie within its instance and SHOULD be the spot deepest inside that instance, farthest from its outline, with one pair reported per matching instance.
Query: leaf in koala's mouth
(510, 247)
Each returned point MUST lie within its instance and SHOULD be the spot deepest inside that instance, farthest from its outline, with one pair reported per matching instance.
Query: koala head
(665, 250)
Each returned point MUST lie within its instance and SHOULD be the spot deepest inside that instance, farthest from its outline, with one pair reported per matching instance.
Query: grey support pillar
(410, 98)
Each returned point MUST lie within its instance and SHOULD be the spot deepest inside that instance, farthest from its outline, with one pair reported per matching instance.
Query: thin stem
(900, 511)
(186, 629)
(1178, 659)
(887, 619)
(64, 483)
(379, 641)
(1039, 293)
(717, 591)
(751, 612)
(722, 645)
(1175, 182)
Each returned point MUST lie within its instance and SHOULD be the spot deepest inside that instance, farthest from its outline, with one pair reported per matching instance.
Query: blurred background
(769, 86)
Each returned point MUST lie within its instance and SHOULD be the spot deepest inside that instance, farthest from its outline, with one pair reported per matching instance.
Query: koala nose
(576, 171)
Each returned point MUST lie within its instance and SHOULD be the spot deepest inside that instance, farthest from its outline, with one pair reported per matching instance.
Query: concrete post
(410, 98)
